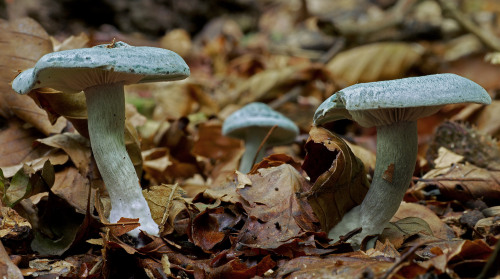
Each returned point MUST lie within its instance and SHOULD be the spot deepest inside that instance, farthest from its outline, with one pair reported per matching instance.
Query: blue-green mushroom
(251, 124)
(393, 107)
(102, 72)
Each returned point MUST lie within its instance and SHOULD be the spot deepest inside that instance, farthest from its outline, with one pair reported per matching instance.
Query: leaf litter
(272, 222)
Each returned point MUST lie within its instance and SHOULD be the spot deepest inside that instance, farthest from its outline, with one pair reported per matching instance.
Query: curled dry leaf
(275, 160)
(339, 177)
(24, 41)
(374, 62)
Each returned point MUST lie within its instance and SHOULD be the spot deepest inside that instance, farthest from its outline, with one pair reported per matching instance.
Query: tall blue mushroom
(393, 107)
(101, 72)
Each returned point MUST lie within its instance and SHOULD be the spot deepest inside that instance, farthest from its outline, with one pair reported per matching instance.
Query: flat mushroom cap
(259, 115)
(408, 99)
(72, 71)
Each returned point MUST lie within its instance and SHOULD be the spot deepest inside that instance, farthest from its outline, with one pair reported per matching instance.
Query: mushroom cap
(72, 71)
(408, 99)
(260, 116)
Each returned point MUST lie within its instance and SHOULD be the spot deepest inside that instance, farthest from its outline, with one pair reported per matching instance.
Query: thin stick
(167, 207)
(405, 256)
(263, 142)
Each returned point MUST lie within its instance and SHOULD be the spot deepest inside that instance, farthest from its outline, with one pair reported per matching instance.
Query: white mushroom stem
(253, 140)
(396, 146)
(106, 124)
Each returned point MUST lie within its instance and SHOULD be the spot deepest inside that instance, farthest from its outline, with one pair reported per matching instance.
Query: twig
(449, 179)
(485, 37)
(263, 142)
(167, 207)
(289, 96)
(337, 46)
(405, 256)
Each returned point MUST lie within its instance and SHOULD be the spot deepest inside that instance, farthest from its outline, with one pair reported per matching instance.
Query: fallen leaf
(13, 226)
(71, 186)
(17, 144)
(166, 205)
(75, 145)
(354, 265)
(212, 226)
(339, 177)
(374, 62)
(276, 215)
(462, 182)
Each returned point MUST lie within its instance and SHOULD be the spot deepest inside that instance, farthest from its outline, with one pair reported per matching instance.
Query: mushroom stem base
(106, 122)
(396, 156)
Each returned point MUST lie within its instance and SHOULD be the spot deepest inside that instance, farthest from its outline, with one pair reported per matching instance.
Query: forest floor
(271, 222)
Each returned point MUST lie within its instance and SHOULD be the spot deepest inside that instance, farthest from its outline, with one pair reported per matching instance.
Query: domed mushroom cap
(386, 102)
(72, 71)
(260, 116)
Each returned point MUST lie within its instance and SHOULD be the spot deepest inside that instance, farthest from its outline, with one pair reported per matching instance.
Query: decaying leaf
(462, 182)
(16, 144)
(353, 265)
(12, 224)
(276, 215)
(374, 62)
(339, 177)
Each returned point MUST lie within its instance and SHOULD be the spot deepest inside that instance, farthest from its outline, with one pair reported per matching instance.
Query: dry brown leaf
(56, 157)
(161, 167)
(71, 186)
(225, 151)
(374, 62)
(12, 224)
(17, 143)
(462, 182)
(353, 265)
(75, 145)
(339, 177)
(487, 119)
(159, 198)
(446, 158)
(72, 42)
(178, 41)
(24, 41)
(438, 227)
(276, 215)
(259, 86)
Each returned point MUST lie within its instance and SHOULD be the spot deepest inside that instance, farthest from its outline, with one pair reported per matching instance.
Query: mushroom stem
(252, 143)
(106, 124)
(396, 156)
